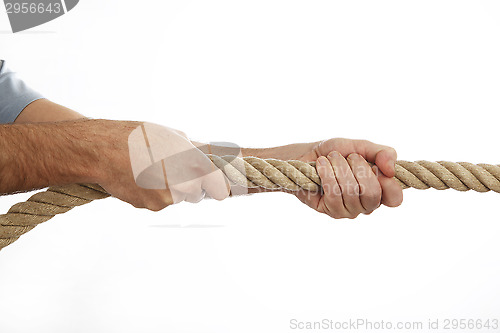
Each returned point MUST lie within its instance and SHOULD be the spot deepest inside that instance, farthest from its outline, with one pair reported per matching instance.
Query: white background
(421, 76)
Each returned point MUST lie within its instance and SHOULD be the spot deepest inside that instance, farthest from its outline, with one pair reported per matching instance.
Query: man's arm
(43, 110)
(38, 155)
(281, 152)
(49, 147)
(357, 191)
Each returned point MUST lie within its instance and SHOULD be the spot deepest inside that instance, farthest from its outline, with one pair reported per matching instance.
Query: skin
(65, 148)
(351, 186)
(52, 145)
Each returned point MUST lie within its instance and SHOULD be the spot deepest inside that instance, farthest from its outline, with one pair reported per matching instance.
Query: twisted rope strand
(252, 172)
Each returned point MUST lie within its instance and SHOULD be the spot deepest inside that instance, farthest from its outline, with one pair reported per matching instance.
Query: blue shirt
(15, 95)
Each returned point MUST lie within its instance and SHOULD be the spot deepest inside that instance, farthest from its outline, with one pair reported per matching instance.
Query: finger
(385, 159)
(195, 197)
(331, 200)
(370, 190)
(392, 193)
(190, 191)
(347, 182)
(216, 184)
(383, 156)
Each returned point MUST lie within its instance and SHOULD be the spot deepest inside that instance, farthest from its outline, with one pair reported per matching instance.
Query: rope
(252, 172)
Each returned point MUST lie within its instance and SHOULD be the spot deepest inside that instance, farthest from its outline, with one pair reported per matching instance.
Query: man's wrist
(105, 142)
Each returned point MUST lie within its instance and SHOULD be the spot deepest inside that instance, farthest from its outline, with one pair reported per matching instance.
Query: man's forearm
(39, 155)
(46, 111)
(292, 151)
(282, 152)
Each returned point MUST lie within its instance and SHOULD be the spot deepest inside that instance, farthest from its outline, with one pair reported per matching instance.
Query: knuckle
(338, 213)
(366, 142)
(368, 212)
(331, 211)
(392, 151)
(341, 141)
(335, 215)
(181, 133)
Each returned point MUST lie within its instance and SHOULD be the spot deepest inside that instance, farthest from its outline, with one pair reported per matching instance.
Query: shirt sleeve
(15, 95)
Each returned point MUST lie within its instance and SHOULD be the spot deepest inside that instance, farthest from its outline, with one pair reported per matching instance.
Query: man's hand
(154, 166)
(350, 185)
(166, 170)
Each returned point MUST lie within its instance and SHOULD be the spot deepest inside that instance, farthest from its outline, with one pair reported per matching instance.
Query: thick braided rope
(252, 172)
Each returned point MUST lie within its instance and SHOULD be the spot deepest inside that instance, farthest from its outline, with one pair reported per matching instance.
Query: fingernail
(333, 154)
(352, 156)
(392, 163)
(322, 160)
